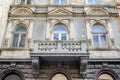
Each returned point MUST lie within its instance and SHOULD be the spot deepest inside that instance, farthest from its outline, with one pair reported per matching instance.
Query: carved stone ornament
(5, 44)
(76, 2)
(60, 11)
(22, 11)
(83, 65)
(36, 65)
(96, 12)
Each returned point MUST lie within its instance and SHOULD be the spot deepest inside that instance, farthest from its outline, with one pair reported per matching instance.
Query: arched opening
(12, 77)
(105, 76)
(99, 36)
(59, 32)
(19, 36)
(59, 76)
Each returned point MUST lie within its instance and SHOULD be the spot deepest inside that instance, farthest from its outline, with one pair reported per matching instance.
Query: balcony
(59, 47)
(60, 52)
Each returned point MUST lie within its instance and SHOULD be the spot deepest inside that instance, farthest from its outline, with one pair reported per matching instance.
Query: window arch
(12, 77)
(13, 74)
(19, 36)
(105, 76)
(59, 32)
(25, 1)
(99, 36)
(59, 76)
(59, 2)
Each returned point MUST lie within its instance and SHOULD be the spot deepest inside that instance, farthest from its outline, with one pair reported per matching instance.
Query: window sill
(15, 49)
(104, 49)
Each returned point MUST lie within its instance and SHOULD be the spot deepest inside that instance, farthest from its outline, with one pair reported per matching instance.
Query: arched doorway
(59, 76)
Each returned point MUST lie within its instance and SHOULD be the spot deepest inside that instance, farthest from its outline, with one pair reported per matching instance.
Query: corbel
(59, 65)
(36, 64)
(83, 61)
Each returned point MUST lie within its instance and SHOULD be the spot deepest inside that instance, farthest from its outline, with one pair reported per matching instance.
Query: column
(71, 30)
(48, 30)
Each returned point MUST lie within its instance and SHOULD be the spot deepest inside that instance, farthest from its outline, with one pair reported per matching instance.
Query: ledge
(60, 54)
(105, 60)
(15, 49)
(104, 49)
(14, 60)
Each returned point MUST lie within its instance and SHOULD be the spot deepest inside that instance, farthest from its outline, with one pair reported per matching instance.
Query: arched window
(19, 37)
(12, 77)
(99, 36)
(106, 76)
(59, 2)
(25, 1)
(59, 32)
(59, 76)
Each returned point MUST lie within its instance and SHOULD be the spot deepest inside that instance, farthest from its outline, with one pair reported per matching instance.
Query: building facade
(59, 40)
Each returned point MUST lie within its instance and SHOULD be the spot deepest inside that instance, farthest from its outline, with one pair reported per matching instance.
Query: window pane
(98, 28)
(20, 29)
(55, 37)
(103, 40)
(90, 1)
(28, 1)
(12, 77)
(60, 28)
(22, 41)
(94, 2)
(15, 40)
(63, 1)
(22, 1)
(96, 40)
(56, 1)
(98, 1)
(63, 37)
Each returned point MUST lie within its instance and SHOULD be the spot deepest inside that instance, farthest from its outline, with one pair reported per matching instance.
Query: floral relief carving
(60, 12)
(97, 12)
(5, 44)
(76, 2)
(22, 12)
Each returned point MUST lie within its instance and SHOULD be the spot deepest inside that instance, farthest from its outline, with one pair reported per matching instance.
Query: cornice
(79, 6)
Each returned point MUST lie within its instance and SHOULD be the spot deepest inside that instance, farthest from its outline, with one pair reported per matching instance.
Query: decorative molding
(112, 41)
(83, 65)
(22, 11)
(97, 11)
(6, 71)
(108, 70)
(60, 12)
(5, 43)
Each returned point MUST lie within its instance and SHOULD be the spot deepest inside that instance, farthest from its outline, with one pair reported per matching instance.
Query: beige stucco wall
(4, 8)
(16, 54)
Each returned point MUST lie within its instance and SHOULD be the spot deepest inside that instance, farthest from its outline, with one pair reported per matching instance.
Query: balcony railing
(60, 46)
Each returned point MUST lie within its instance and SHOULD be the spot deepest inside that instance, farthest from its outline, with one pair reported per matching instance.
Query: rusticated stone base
(71, 70)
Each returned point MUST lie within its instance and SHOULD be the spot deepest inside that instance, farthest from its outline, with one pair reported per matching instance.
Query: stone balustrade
(60, 46)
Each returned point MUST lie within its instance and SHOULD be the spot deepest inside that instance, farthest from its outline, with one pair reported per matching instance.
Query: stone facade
(29, 50)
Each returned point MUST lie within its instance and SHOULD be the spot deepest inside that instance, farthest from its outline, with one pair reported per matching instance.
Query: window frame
(60, 32)
(94, 2)
(105, 74)
(19, 37)
(12, 74)
(26, 2)
(60, 2)
(100, 42)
